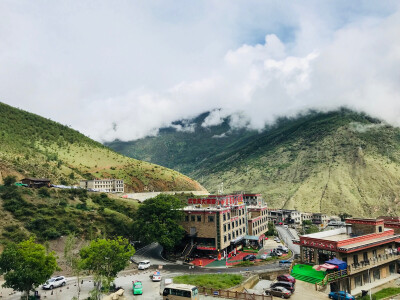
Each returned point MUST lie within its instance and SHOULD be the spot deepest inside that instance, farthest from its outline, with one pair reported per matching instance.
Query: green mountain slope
(332, 162)
(38, 147)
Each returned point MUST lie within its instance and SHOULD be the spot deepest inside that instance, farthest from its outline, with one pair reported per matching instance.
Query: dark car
(341, 296)
(278, 291)
(287, 285)
(249, 257)
(286, 277)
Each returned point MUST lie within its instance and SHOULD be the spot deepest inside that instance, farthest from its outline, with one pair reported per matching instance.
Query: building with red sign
(219, 224)
(368, 248)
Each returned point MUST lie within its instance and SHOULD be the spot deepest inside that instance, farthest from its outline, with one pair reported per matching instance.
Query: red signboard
(206, 248)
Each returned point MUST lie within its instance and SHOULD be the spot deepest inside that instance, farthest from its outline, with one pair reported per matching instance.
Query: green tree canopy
(26, 265)
(9, 180)
(158, 220)
(105, 258)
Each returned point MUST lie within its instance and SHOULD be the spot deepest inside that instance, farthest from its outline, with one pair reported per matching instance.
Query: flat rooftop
(370, 242)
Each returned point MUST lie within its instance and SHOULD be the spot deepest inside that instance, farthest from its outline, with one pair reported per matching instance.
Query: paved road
(286, 236)
(151, 252)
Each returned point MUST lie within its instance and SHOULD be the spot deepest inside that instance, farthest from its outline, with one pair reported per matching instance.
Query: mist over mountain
(332, 162)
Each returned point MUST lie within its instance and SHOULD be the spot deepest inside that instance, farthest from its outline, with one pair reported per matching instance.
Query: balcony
(372, 262)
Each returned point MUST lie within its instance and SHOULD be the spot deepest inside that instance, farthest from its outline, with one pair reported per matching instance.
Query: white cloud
(124, 70)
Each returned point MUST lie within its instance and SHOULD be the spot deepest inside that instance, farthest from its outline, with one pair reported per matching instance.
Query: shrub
(44, 192)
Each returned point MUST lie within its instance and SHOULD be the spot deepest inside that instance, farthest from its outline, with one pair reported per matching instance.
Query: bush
(9, 180)
(44, 192)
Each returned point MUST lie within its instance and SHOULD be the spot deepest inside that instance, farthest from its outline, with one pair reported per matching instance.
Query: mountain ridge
(331, 162)
(33, 146)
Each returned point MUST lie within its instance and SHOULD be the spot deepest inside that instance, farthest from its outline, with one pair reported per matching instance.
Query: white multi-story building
(103, 185)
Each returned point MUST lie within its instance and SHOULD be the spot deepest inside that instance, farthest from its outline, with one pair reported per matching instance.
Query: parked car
(282, 248)
(277, 252)
(156, 276)
(54, 282)
(249, 257)
(287, 285)
(276, 239)
(264, 256)
(284, 263)
(143, 265)
(278, 291)
(137, 287)
(286, 277)
(342, 295)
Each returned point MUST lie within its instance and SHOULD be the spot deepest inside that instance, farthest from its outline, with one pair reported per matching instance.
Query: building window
(210, 218)
(198, 218)
(229, 226)
(355, 259)
(358, 281)
(224, 238)
(186, 218)
(192, 218)
(392, 269)
(377, 274)
(224, 217)
(380, 228)
(224, 227)
(365, 256)
(374, 253)
(229, 236)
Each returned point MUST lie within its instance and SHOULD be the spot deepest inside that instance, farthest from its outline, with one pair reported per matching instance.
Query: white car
(143, 265)
(54, 282)
(264, 256)
(156, 276)
(283, 248)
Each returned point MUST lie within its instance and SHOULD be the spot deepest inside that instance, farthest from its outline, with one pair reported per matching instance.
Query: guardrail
(232, 295)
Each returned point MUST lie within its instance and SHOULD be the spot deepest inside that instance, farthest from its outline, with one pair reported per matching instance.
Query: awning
(237, 240)
(337, 262)
(251, 237)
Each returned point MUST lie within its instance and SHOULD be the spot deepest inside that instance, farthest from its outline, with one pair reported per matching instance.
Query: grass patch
(215, 281)
(245, 264)
(387, 292)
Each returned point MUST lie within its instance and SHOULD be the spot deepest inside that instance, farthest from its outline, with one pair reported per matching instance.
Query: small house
(36, 182)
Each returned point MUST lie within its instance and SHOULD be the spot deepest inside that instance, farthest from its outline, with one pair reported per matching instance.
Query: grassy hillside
(38, 147)
(52, 213)
(330, 162)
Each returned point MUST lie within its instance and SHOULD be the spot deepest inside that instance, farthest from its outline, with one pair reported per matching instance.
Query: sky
(123, 69)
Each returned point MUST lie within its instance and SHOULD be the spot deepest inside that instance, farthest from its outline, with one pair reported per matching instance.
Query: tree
(344, 216)
(72, 259)
(158, 220)
(26, 265)
(312, 229)
(9, 180)
(104, 258)
(271, 229)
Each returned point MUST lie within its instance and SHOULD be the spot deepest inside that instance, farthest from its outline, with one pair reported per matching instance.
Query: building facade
(222, 224)
(368, 248)
(103, 185)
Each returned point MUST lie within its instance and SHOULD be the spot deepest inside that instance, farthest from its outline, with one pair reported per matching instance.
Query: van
(143, 265)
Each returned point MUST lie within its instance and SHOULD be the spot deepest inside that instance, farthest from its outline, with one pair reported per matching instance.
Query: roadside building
(276, 216)
(220, 225)
(36, 182)
(366, 248)
(292, 216)
(103, 185)
(306, 216)
(320, 219)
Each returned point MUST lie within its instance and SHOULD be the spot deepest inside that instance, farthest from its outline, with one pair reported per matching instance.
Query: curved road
(287, 237)
(152, 252)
